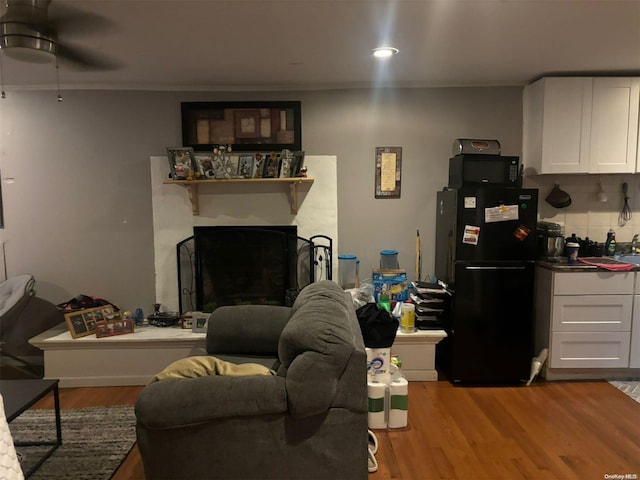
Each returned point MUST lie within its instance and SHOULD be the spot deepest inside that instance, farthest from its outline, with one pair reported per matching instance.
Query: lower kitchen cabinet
(589, 350)
(585, 319)
(634, 354)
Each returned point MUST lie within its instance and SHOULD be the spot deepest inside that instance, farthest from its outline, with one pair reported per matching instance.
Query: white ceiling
(320, 44)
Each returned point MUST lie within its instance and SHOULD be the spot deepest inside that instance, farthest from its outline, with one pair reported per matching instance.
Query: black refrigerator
(486, 251)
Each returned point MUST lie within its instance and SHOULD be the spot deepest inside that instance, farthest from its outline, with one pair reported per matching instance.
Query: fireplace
(238, 265)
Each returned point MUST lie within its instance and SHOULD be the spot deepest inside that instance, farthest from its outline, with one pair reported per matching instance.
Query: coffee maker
(550, 241)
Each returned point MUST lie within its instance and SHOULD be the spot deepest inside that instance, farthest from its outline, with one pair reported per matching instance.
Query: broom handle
(417, 276)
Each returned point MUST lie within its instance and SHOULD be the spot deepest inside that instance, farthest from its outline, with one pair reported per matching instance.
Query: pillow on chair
(202, 366)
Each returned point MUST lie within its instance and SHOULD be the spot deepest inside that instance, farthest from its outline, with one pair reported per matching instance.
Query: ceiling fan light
(30, 55)
(26, 42)
(384, 52)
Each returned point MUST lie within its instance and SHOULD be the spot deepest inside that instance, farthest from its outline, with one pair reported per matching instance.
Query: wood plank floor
(550, 430)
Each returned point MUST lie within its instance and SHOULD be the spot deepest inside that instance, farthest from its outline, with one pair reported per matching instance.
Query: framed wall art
(388, 172)
(245, 126)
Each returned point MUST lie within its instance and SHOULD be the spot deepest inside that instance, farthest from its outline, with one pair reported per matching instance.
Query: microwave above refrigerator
(487, 170)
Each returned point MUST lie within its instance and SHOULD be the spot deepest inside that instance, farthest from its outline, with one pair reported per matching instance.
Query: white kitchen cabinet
(584, 319)
(581, 125)
(614, 125)
(591, 313)
(557, 119)
(634, 353)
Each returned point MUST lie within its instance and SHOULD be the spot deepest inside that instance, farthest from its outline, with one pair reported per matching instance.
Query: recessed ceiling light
(384, 52)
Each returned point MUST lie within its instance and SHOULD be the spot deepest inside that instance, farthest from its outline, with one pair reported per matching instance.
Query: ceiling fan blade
(79, 58)
(72, 21)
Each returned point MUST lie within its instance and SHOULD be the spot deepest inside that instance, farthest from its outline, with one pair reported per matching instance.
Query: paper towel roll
(377, 404)
(378, 364)
(398, 403)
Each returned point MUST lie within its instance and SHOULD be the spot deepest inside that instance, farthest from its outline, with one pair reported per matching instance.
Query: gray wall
(76, 183)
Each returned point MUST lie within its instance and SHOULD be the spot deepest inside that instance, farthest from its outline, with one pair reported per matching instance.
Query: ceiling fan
(30, 33)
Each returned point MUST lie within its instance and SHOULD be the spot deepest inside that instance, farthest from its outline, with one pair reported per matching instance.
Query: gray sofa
(309, 421)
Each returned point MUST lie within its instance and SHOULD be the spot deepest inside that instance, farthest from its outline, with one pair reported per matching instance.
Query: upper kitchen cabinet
(581, 125)
(614, 125)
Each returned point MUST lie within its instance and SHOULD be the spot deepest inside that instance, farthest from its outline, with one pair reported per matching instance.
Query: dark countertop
(563, 266)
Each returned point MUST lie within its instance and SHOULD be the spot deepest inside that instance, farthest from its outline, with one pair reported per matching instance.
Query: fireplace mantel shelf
(192, 188)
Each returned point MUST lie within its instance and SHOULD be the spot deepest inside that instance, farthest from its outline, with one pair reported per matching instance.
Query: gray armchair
(23, 315)
(309, 421)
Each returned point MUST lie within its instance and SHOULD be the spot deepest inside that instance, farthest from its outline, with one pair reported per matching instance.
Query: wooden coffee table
(19, 396)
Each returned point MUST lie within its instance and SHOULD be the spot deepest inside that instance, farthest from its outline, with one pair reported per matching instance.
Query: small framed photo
(186, 321)
(182, 162)
(286, 161)
(199, 323)
(206, 166)
(297, 163)
(119, 326)
(77, 325)
(245, 170)
(83, 322)
(272, 166)
(258, 166)
(232, 165)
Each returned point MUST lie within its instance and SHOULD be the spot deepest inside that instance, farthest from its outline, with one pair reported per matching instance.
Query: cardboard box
(394, 283)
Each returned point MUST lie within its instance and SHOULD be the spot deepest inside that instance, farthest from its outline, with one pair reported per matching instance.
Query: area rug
(628, 387)
(95, 441)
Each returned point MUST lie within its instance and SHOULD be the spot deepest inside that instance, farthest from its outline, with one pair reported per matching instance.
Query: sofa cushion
(314, 347)
(201, 366)
(269, 361)
(246, 329)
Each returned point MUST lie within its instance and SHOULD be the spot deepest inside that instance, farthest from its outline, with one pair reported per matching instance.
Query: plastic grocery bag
(378, 327)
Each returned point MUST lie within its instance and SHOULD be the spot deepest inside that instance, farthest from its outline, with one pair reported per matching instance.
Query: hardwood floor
(550, 430)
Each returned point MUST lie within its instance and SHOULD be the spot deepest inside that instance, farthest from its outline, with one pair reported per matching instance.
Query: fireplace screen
(231, 265)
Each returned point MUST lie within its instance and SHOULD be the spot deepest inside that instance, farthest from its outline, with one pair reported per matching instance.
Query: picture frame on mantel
(182, 162)
(246, 126)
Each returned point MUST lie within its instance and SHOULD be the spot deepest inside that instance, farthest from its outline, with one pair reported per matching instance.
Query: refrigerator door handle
(495, 268)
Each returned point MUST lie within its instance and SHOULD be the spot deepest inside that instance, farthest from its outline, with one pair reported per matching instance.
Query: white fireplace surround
(237, 204)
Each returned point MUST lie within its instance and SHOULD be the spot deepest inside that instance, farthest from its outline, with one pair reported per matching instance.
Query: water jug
(347, 270)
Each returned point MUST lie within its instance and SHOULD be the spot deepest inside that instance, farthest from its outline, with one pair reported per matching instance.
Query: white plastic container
(389, 259)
